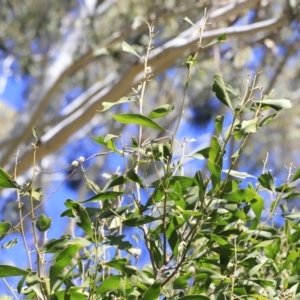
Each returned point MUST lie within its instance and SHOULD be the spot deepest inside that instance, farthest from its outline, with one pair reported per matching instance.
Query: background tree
(71, 62)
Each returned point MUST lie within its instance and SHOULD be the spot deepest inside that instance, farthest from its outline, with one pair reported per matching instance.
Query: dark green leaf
(103, 196)
(201, 154)
(135, 178)
(122, 266)
(161, 111)
(114, 181)
(85, 222)
(6, 181)
(138, 120)
(219, 88)
(267, 181)
(139, 221)
(43, 223)
(117, 241)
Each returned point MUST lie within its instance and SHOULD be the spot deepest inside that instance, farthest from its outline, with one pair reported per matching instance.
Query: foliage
(205, 236)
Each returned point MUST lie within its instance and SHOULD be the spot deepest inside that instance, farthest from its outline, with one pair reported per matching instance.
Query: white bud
(75, 163)
(81, 159)
(136, 252)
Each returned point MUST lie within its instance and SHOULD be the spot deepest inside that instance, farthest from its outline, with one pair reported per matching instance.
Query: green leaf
(138, 120)
(6, 181)
(201, 154)
(191, 61)
(43, 223)
(135, 178)
(127, 48)
(85, 222)
(117, 241)
(292, 216)
(181, 281)
(221, 38)
(267, 181)
(215, 162)
(108, 105)
(153, 292)
(111, 283)
(122, 266)
(257, 205)
(264, 244)
(219, 123)
(194, 297)
(238, 174)
(161, 111)
(139, 221)
(63, 259)
(35, 134)
(268, 120)
(4, 228)
(10, 271)
(296, 176)
(249, 126)
(219, 88)
(277, 104)
(108, 143)
(109, 195)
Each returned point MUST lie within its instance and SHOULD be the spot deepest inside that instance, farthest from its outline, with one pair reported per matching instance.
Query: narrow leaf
(9, 271)
(219, 88)
(103, 196)
(190, 22)
(127, 48)
(296, 176)
(108, 105)
(138, 120)
(238, 174)
(221, 38)
(276, 104)
(161, 111)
